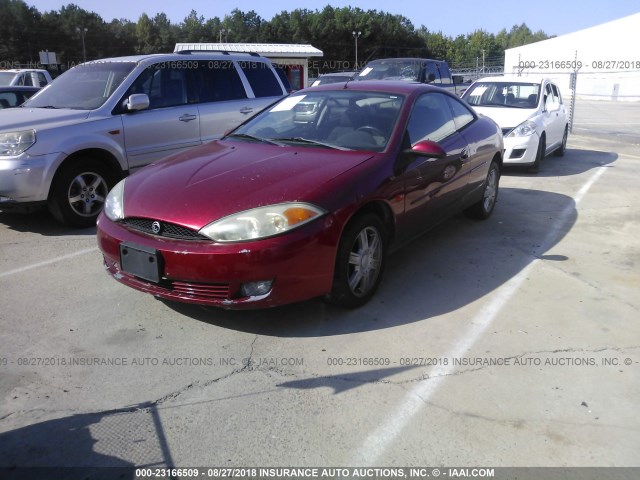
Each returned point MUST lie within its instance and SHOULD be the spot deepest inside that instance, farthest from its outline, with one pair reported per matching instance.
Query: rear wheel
(79, 191)
(359, 263)
(483, 208)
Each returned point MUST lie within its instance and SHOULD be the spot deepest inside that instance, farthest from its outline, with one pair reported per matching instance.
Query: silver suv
(71, 142)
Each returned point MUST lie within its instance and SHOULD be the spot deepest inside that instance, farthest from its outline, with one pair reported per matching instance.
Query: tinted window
(216, 81)
(262, 80)
(461, 114)
(164, 85)
(431, 119)
(42, 79)
(431, 74)
(556, 93)
(445, 75)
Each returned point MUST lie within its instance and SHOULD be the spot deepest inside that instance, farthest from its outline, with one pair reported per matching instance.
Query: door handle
(246, 110)
(187, 117)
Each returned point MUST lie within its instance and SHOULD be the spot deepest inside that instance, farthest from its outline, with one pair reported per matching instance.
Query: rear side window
(461, 114)
(216, 81)
(42, 79)
(431, 73)
(262, 80)
(445, 75)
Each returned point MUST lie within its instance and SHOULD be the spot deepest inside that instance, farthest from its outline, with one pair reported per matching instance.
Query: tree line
(26, 31)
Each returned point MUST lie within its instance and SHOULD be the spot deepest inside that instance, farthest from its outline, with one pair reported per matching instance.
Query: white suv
(530, 112)
(71, 142)
(26, 77)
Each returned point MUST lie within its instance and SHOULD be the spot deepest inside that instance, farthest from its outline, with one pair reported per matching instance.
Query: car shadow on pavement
(69, 447)
(40, 222)
(456, 264)
(574, 162)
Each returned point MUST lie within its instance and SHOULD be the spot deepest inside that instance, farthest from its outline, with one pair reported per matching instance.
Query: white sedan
(530, 112)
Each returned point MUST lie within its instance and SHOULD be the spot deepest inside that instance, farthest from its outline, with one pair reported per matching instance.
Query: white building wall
(607, 57)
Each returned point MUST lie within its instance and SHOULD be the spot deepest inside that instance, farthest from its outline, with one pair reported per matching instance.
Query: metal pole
(356, 35)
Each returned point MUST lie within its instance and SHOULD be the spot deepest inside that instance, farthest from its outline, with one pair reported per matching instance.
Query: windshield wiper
(251, 137)
(310, 142)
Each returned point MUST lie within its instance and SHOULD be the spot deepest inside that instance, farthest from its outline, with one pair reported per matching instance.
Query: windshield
(343, 119)
(406, 69)
(85, 87)
(6, 77)
(503, 94)
(326, 79)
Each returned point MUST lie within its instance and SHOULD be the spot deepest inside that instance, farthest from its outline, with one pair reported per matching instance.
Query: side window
(461, 114)
(261, 78)
(165, 86)
(431, 119)
(556, 93)
(8, 100)
(445, 75)
(216, 81)
(42, 79)
(431, 74)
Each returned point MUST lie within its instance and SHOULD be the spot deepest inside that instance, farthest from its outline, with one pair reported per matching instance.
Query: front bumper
(300, 264)
(521, 150)
(26, 179)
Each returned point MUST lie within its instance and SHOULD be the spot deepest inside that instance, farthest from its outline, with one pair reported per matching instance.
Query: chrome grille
(204, 291)
(168, 230)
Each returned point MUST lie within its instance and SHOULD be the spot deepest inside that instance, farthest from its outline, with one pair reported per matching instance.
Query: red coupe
(303, 200)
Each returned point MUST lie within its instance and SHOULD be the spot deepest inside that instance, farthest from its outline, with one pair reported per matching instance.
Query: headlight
(14, 143)
(114, 204)
(523, 130)
(261, 222)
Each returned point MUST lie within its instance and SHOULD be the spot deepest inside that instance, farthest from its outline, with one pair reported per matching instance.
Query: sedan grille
(204, 291)
(168, 230)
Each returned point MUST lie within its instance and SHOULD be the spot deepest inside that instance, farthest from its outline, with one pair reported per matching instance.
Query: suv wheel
(79, 191)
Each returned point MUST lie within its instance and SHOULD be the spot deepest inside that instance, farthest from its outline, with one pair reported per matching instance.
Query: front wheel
(563, 146)
(484, 207)
(542, 148)
(79, 191)
(359, 262)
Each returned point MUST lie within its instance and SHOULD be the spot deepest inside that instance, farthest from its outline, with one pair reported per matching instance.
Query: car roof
(204, 55)
(20, 70)
(385, 86)
(514, 79)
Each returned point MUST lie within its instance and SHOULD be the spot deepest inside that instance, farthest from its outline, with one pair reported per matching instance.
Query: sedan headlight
(14, 143)
(523, 130)
(114, 204)
(261, 222)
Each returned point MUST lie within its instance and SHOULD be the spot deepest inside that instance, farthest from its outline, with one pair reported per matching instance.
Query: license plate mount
(141, 261)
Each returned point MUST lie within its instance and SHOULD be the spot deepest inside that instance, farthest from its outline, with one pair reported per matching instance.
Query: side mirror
(137, 101)
(426, 148)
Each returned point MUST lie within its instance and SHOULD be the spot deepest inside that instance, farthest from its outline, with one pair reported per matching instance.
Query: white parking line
(379, 441)
(48, 262)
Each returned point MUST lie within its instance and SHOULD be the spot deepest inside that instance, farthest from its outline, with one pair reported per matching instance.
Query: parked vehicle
(101, 120)
(282, 210)
(27, 77)
(530, 113)
(11, 97)
(335, 77)
(423, 70)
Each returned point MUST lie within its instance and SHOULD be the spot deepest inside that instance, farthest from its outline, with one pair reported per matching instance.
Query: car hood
(507, 117)
(225, 177)
(23, 118)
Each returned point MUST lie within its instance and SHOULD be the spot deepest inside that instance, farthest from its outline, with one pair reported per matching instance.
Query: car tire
(359, 263)
(484, 207)
(563, 146)
(542, 147)
(79, 191)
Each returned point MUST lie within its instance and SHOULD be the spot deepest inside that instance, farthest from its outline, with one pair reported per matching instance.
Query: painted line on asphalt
(48, 262)
(378, 442)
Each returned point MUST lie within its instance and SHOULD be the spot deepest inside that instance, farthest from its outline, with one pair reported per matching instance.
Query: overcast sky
(555, 17)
